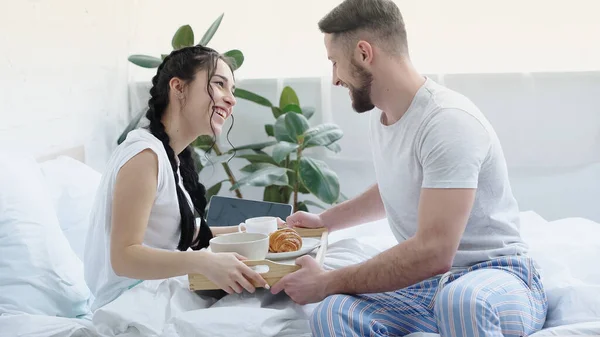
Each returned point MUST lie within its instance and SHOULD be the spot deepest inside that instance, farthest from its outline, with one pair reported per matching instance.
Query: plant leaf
(292, 178)
(203, 142)
(308, 112)
(273, 193)
(210, 32)
(312, 203)
(302, 206)
(269, 130)
(163, 56)
(272, 175)
(319, 180)
(253, 167)
(145, 61)
(282, 149)
(288, 96)
(296, 124)
(280, 131)
(322, 135)
(237, 57)
(257, 157)
(276, 112)
(131, 126)
(196, 156)
(335, 147)
(214, 190)
(292, 107)
(256, 146)
(183, 37)
(252, 97)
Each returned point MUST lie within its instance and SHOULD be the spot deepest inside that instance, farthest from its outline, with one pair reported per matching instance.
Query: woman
(142, 224)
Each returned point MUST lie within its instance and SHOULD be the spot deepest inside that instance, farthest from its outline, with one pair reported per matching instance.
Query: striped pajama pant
(500, 297)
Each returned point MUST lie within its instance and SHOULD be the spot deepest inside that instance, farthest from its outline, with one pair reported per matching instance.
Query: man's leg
(503, 298)
(394, 313)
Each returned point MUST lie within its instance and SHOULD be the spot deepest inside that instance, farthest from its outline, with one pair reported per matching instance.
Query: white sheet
(25, 325)
(167, 308)
(174, 310)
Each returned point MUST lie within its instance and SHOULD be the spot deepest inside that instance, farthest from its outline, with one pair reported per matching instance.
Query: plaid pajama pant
(500, 297)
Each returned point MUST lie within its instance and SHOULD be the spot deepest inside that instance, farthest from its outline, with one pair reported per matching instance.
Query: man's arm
(364, 208)
(443, 214)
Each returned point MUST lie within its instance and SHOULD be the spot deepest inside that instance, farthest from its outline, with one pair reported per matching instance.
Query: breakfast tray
(276, 271)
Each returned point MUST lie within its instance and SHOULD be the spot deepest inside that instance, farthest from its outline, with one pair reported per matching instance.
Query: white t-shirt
(444, 141)
(163, 229)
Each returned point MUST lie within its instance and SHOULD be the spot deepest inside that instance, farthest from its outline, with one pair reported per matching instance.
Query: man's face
(349, 73)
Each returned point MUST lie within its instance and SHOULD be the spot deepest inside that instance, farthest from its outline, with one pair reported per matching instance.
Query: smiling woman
(142, 223)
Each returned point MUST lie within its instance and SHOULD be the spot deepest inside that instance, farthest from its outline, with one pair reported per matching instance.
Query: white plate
(308, 245)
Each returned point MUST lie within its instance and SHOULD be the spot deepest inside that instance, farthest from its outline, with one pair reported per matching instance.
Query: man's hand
(305, 220)
(306, 285)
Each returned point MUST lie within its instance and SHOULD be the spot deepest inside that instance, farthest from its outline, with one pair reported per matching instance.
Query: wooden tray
(276, 270)
(310, 232)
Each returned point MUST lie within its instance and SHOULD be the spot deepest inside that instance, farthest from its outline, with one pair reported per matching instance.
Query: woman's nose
(230, 99)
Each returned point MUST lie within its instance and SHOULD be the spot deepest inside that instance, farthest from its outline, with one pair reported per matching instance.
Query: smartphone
(230, 211)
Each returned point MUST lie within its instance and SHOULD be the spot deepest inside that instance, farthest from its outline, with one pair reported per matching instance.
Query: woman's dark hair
(184, 64)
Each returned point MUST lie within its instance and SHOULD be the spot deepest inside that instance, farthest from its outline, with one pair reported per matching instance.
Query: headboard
(77, 152)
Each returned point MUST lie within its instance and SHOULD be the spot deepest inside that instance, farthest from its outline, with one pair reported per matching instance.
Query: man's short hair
(381, 19)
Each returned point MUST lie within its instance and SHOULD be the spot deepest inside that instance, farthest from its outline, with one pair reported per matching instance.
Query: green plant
(286, 170)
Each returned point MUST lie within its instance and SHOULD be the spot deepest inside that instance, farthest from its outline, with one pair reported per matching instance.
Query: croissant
(284, 240)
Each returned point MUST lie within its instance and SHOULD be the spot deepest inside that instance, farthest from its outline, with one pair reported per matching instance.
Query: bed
(44, 203)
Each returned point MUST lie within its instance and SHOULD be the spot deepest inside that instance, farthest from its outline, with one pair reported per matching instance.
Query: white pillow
(39, 273)
(73, 187)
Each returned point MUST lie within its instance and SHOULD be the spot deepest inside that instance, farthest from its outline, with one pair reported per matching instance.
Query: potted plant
(282, 165)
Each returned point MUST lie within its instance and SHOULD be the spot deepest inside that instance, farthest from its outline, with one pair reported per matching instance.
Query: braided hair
(184, 64)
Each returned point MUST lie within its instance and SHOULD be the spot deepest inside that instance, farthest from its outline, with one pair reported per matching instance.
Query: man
(460, 267)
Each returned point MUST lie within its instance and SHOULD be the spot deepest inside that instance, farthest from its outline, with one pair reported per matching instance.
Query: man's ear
(365, 51)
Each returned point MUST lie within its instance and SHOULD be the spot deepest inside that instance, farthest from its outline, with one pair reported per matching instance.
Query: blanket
(167, 308)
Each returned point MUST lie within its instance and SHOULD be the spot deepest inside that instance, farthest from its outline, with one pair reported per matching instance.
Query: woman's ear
(176, 85)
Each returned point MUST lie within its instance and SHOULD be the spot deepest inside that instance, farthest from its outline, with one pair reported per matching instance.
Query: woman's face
(199, 112)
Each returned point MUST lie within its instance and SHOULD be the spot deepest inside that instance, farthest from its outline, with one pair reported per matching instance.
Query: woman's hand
(229, 273)
(305, 220)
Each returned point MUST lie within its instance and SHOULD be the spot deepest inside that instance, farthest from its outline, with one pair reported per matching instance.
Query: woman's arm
(224, 230)
(133, 197)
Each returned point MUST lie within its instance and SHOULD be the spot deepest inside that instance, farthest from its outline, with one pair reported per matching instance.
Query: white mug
(263, 224)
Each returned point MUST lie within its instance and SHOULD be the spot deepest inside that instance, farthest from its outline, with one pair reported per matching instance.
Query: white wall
(63, 72)
(445, 36)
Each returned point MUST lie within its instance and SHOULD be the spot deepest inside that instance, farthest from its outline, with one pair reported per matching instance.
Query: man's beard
(361, 95)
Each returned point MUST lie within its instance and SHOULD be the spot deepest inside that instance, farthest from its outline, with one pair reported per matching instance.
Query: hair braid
(197, 193)
(182, 63)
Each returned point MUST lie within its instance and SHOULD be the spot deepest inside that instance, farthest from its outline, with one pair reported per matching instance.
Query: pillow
(566, 251)
(72, 185)
(39, 273)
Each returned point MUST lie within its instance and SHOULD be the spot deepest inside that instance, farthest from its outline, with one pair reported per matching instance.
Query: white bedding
(167, 308)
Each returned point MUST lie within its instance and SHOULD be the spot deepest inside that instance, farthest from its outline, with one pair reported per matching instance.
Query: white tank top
(163, 229)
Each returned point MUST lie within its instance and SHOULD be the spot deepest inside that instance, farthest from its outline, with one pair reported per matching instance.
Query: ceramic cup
(253, 246)
(264, 225)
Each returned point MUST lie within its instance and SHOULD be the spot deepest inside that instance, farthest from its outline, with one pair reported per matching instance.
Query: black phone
(229, 211)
